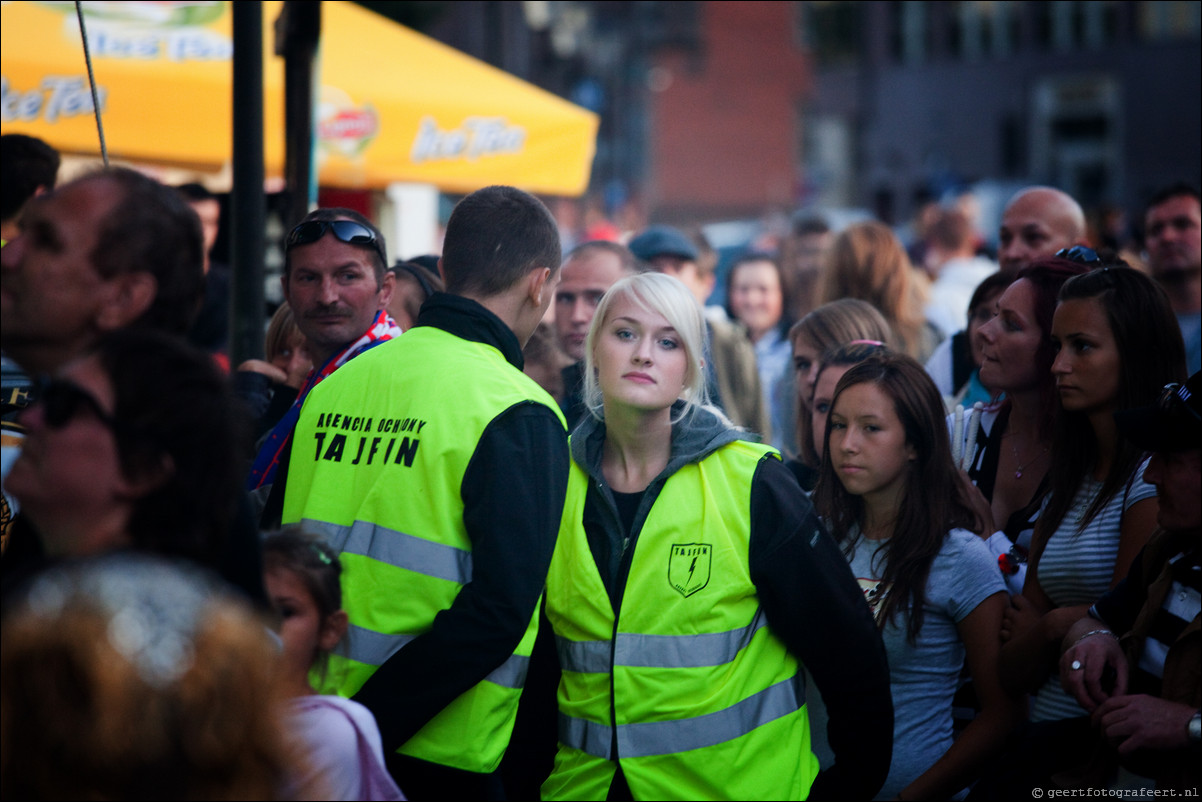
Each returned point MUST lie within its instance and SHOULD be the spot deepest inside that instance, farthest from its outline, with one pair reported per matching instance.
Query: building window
(911, 32)
(1076, 24)
(830, 29)
(985, 28)
(1169, 20)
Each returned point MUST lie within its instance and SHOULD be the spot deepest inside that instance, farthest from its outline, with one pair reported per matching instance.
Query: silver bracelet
(1093, 632)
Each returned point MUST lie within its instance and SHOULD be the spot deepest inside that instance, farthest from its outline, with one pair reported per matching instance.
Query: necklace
(1022, 466)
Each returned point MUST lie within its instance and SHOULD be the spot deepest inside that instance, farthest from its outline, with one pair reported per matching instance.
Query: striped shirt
(1078, 567)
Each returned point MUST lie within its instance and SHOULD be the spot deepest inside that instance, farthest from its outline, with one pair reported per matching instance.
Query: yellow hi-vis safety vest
(705, 702)
(377, 462)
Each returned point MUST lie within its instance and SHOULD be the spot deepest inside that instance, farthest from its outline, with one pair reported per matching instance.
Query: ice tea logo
(476, 137)
(342, 127)
(58, 97)
(689, 567)
(150, 31)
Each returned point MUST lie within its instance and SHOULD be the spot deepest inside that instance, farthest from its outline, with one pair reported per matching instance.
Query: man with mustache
(337, 282)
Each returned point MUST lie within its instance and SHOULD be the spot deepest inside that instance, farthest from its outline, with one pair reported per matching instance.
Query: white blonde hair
(663, 295)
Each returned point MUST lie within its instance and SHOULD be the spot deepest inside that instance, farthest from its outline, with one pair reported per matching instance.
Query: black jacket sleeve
(815, 606)
(513, 495)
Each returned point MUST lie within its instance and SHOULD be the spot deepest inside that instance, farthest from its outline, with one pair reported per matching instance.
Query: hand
(980, 506)
(1088, 683)
(1021, 616)
(1143, 722)
(266, 368)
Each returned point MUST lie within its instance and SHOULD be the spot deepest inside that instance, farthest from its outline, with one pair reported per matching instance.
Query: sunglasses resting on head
(347, 231)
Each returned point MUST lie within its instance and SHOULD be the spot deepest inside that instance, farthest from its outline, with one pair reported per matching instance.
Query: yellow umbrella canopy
(394, 105)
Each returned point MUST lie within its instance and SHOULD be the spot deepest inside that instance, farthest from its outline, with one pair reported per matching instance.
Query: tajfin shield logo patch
(689, 567)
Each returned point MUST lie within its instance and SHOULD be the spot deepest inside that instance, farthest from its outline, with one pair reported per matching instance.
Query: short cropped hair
(806, 224)
(151, 229)
(951, 230)
(1180, 189)
(26, 163)
(494, 238)
(333, 213)
(629, 262)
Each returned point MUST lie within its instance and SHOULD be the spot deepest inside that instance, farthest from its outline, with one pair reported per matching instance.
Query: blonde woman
(690, 582)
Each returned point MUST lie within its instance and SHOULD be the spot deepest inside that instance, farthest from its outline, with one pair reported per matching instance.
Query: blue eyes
(666, 343)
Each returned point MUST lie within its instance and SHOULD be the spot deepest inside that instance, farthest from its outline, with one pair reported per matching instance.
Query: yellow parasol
(394, 106)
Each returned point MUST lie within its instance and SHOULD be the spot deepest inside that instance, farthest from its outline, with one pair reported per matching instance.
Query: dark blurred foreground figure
(111, 250)
(28, 167)
(211, 329)
(134, 445)
(130, 677)
(1133, 662)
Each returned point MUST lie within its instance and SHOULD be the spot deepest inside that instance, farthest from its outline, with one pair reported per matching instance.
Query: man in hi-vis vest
(437, 470)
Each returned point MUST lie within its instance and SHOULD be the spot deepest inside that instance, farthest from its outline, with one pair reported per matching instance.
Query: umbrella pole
(247, 204)
(298, 30)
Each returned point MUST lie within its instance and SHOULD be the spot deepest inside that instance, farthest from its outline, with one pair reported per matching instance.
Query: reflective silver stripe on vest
(397, 548)
(657, 651)
(647, 739)
(373, 648)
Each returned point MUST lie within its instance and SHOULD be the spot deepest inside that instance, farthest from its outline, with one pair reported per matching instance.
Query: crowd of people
(508, 522)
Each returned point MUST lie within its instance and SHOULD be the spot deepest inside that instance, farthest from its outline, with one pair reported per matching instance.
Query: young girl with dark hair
(340, 740)
(822, 330)
(890, 494)
(835, 363)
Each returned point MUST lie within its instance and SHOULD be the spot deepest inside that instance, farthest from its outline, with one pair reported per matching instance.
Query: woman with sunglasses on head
(135, 446)
(1006, 447)
(1117, 344)
(690, 583)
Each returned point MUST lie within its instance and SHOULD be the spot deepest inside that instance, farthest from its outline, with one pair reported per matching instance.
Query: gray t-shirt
(924, 675)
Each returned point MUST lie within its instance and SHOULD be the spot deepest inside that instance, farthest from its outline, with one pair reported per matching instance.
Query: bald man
(1038, 222)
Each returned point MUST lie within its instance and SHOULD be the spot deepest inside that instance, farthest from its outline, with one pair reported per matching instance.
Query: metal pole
(247, 203)
(297, 31)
